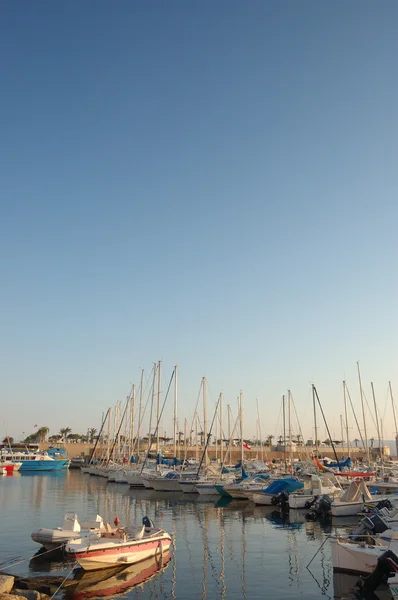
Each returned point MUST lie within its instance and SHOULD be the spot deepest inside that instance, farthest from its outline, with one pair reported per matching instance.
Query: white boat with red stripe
(117, 548)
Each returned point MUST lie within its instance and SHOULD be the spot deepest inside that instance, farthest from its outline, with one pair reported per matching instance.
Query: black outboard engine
(369, 526)
(310, 503)
(387, 566)
(381, 504)
(324, 506)
(321, 509)
(281, 499)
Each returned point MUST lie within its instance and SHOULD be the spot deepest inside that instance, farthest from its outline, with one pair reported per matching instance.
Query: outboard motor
(369, 526)
(310, 503)
(321, 508)
(148, 524)
(387, 566)
(281, 499)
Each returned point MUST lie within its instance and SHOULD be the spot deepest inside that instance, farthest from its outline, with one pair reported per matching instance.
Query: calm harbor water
(222, 550)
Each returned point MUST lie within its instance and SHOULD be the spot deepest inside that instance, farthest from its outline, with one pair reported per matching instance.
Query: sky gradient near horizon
(209, 184)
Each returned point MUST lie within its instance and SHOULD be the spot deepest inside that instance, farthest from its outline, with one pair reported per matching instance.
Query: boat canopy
(288, 484)
(356, 492)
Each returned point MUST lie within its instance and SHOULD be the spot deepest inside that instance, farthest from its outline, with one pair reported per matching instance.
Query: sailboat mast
(196, 438)
(140, 414)
(363, 415)
(175, 408)
(315, 424)
(377, 419)
(221, 430)
(395, 417)
(284, 430)
(346, 418)
(151, 413)
(109, 436)
(158, 411)
(290, 430)
(259, 432)
(341, 429)
(204, 413)
(242, 451)
(132, 408)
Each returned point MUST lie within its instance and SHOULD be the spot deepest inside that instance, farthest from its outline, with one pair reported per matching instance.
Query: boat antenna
(326, 425)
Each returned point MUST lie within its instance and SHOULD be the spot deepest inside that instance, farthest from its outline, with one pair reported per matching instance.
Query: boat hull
(188, 487)
(206, 489)
(102, 556)
(43, 465)
(166, 485)
(346, 509)
(263, 499)
(352, 558)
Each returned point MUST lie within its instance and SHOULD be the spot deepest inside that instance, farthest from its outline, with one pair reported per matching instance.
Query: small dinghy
(72, 528)
(112, 548)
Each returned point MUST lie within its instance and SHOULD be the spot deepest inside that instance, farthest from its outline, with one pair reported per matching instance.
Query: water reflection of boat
(110, 582)
(48, 562)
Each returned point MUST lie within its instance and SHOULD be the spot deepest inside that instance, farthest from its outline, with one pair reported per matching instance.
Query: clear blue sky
(212, 184)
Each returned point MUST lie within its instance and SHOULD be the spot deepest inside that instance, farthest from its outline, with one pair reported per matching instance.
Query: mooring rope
(62, 582)
(32, 557)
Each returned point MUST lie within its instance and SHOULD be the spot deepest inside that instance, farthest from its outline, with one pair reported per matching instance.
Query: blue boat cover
(345, 463)
(283, 485)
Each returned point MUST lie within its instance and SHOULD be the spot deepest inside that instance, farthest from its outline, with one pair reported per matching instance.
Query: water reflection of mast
(243, 558)
(222, 573)
(205, 556)
(174, 568)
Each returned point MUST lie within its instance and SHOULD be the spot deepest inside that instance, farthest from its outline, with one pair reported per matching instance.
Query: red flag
(246, 445)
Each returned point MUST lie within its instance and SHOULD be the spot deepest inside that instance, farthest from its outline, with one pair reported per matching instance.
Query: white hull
(103, 553)
(263, 499)
(188, 487)
(120, 476)
(353, 558)
(104, 562)
(134, 479)
(206, 489)
(165, 485)
(346, 509)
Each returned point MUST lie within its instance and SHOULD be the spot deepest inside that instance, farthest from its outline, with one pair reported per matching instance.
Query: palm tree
(42, 432)
(65, 432)
(91, 434)
(8, 440)
(269, 440)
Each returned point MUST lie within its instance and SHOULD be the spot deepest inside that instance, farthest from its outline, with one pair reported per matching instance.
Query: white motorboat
(355, 557)
(117, 548)
(315, 485)
(352, 501)
(244, 490)
(271, 494)
(72, 528)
